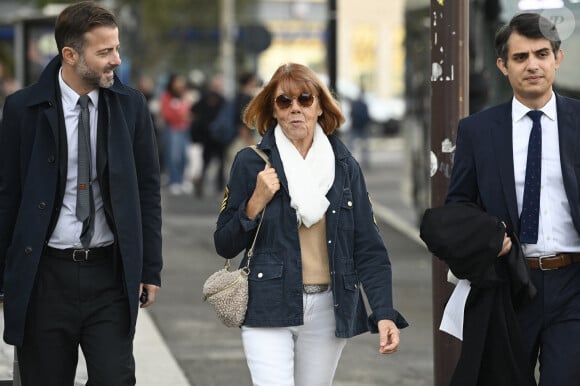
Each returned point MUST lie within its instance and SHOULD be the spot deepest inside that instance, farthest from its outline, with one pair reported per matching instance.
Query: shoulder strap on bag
(261, 153)
(264, 156)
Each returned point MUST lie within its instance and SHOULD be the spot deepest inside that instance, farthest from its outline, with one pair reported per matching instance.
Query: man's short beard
(91, 77)
(105, 83)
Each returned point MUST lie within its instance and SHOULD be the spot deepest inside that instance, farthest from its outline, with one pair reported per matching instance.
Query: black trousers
(77, 304)
(551, 325)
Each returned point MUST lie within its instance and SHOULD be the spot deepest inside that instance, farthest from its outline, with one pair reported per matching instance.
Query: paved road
(211, 354)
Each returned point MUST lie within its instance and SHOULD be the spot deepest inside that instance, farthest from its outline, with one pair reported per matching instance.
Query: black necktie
(529, 218)
(85, 210)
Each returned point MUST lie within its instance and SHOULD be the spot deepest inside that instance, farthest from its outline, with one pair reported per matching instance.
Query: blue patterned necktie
(85, 210)
(529, 217)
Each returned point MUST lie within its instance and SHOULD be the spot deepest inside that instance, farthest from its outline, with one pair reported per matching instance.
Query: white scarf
(310, 178)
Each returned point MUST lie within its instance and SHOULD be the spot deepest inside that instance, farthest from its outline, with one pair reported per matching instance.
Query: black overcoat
(469, 240)
(31, 194)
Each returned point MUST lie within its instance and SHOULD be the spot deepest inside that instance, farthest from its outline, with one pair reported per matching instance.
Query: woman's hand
(267, 184)
(389, 337)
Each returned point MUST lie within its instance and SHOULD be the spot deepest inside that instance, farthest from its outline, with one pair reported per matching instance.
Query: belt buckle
(546, 257)
(82, 258)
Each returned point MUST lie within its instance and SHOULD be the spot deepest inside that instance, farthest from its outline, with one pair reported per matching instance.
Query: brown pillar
(449, 102)
(331, 45)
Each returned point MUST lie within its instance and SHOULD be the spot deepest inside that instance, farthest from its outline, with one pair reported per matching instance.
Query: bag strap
(264, 156)
(261, 153)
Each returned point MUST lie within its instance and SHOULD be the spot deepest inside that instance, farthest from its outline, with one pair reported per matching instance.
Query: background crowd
(184, 108)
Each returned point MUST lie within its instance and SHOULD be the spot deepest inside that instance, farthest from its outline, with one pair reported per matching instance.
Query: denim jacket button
(260, 275)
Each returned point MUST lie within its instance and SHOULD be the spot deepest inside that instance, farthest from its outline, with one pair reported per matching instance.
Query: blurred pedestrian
(318, 244)
(478, 91)
(358, 133)
(176, 113)
(147, 86)
(248, 84)
(80, 221)
(205, 111)
(194, 166)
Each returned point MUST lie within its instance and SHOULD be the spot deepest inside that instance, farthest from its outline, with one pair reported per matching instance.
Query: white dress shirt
(556, 232)
(68, 228)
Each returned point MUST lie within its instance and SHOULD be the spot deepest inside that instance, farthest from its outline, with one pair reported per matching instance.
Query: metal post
(20, 53)
(228, 50)
(449, 102)
(331, 45)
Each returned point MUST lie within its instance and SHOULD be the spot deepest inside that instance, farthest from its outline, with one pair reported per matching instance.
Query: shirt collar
(70, 96)
(519, 110)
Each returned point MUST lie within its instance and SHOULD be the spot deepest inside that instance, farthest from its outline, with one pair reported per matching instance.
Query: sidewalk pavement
(155, 364)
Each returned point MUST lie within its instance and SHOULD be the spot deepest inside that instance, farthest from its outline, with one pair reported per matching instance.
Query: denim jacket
(356, 251)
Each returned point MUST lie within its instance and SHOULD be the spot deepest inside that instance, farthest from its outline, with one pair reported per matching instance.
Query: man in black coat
(59, 293)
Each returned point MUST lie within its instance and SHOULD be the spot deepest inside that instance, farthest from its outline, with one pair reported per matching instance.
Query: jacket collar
(501, 134)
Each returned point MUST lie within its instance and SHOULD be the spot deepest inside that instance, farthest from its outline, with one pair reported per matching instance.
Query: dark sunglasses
(284, 101)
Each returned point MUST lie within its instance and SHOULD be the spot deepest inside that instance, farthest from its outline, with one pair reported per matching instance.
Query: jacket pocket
(348, 297)
(265, 285)
(350, 282)
(346, 219)
(265, 272)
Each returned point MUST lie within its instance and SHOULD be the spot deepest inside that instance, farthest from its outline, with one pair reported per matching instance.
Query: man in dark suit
(490, 167)
(63, 288)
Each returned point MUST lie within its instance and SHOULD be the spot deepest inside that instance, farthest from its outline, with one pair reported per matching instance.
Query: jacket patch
(225, 200)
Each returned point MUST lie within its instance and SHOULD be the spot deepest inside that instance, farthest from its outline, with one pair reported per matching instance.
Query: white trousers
(304, 355)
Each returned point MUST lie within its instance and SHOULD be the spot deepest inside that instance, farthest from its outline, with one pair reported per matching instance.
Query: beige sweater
(315, 268)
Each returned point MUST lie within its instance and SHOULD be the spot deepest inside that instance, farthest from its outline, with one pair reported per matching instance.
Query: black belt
(555, 261)
(78, 255)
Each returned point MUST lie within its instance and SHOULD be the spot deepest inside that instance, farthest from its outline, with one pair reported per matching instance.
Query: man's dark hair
(76, 19)
(530, 25)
